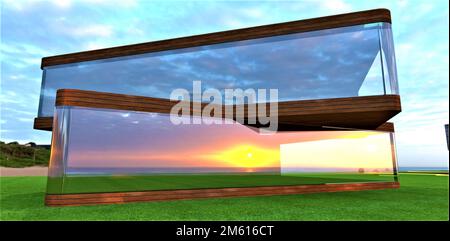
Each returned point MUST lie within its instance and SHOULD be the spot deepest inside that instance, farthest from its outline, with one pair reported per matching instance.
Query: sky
(31, 30)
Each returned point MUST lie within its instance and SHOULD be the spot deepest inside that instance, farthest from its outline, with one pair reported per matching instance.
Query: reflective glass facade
(340, 62)
(102, 150)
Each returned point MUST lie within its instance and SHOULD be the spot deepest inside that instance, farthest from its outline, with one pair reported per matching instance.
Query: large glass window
(331, 63)
(102, 150)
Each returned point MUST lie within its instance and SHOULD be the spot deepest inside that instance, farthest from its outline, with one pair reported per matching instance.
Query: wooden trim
(335, 21)
(126, 197)
(95, 99)
(46, 124)
(43, 123)
(364, 112)
(387, 127)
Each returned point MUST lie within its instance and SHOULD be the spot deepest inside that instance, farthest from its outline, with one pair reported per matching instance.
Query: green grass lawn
(95, 184)
(421, 197)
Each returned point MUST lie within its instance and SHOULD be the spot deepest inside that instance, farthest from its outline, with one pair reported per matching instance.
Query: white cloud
(8, 97)
(95, 45)
(25, 119)
(19, 112)
(19, 48)
(22, 5)
(18, 5)
(253, 12)
(11, 93)
(402, 3)
(32, 61)
(96, 30)
(135, 31)
(232, 22)
(62, 3)
(336, 6)
(118, 3)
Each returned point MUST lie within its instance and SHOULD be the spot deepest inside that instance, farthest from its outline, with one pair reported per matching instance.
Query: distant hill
(14, 154)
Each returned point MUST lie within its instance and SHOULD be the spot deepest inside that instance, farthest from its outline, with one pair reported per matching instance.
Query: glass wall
(102, 150)
(331, 63)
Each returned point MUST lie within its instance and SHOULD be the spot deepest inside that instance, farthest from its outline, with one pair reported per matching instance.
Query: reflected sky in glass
(112, 141)
(313, 65)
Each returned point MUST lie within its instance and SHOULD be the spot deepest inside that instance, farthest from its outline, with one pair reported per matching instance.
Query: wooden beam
(126, 197)
(364, 112)
(46, 124)
(387, 127)
(313, 24)
(43, 123)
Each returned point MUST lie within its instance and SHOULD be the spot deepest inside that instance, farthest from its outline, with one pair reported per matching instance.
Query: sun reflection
(247, 156)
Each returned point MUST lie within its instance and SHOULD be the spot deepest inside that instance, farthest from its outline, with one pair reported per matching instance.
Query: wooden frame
(335, 21)
(126, 197)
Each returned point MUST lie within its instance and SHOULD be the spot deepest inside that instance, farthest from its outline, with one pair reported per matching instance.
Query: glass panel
(321, 64)
(350, 155)
(372, 84)
(59, 151)
(387, 43)
(112, 151)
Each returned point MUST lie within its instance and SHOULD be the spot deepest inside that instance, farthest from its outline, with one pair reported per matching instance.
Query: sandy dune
(27, 171)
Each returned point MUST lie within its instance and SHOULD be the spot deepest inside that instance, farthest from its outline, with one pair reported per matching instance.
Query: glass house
(110, 112)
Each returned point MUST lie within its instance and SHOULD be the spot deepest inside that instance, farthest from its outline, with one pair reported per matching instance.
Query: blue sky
(31, 30)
